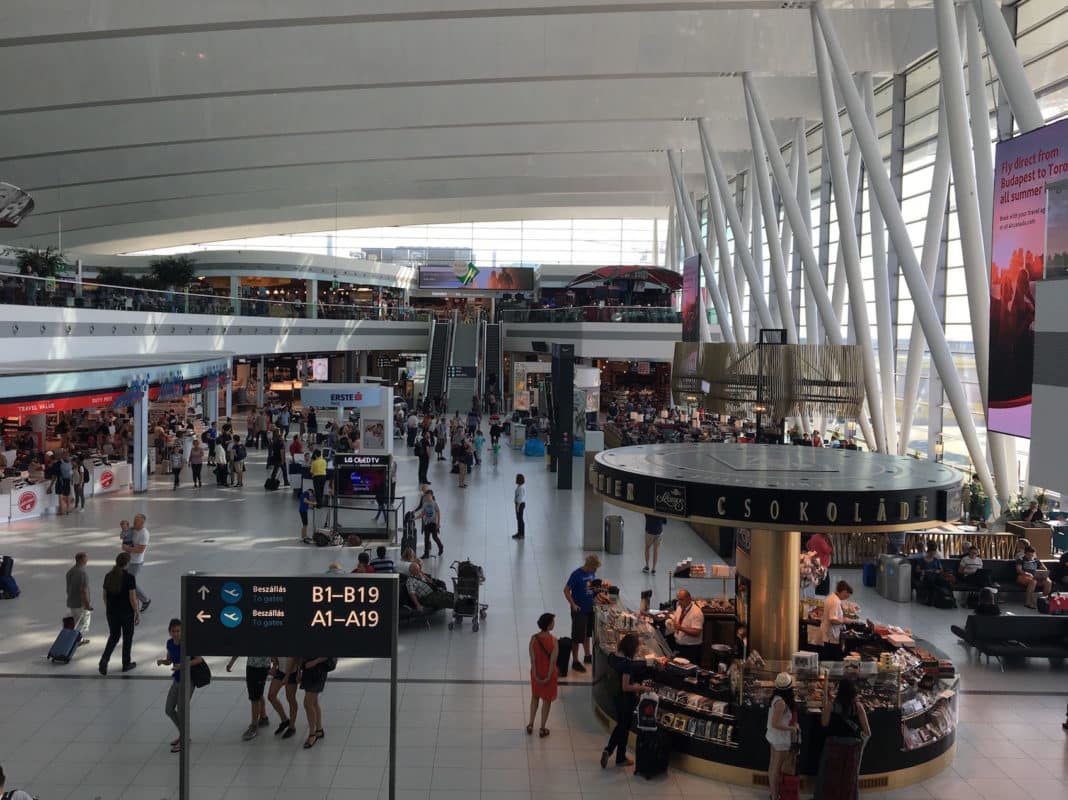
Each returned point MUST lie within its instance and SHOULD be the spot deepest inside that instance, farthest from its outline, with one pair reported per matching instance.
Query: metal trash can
(613, 534)
(896, 576)
(882, 566)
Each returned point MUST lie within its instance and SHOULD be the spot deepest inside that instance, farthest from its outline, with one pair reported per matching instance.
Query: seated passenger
(381, 563)
(970, 569)
(1032, 574)
(927, 574)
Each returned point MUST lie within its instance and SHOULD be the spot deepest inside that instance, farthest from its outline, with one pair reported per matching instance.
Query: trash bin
(895, 573)
(613, 534)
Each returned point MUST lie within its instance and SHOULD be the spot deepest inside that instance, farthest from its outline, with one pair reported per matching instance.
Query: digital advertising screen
(1025, 233)
(469, 277)
(357, 475)
(691, 288)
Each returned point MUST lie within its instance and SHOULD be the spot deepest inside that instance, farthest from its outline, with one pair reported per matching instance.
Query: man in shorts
(654, 527)
(579, 593)
(256, 670)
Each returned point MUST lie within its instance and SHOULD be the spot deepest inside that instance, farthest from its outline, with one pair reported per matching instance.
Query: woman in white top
(520, 506)
(782, 729)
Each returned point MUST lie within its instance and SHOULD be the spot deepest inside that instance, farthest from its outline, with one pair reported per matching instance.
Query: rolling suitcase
(408, 537)
(7, 565)
(650, 754)
(563, 657)
(271, 484)
(62, 650)
(613, 534)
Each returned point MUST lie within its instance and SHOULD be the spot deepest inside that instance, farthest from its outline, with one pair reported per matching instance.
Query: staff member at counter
(832, 623)
(687, 623)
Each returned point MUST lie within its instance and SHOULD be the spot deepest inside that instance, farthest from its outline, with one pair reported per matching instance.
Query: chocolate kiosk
(716, 713)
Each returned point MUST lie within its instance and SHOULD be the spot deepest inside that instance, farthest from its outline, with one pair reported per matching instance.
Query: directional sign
(345, 616)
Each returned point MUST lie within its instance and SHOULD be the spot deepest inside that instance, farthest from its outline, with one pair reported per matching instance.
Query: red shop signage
(52, 404)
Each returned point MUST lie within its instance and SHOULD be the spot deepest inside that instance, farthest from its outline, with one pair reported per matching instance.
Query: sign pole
(393, 710)
(183, 712)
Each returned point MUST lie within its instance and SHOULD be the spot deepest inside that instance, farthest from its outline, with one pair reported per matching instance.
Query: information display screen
(358, 475)
(342, 616)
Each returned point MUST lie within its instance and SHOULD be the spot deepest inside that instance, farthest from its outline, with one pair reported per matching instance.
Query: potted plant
(46, 263)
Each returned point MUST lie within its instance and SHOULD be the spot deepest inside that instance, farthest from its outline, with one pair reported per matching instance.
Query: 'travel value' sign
(345, 616)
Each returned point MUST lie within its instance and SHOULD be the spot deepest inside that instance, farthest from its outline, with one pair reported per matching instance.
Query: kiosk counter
(106, 477)
(716, 720)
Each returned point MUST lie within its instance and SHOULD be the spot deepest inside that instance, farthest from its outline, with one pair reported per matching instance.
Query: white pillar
(884, 324)
(980, 119)
(932, 245)
(804, 202)
(926, 313)
(726, 272)
(261, 384)
(1009, 65)
(229, 394)
(721, 199)
(848, 245)
(139, 470)
(235, 293)
(311, 286)
(853, 171)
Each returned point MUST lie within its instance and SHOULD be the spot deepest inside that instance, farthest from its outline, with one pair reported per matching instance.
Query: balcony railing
(592, 314)
(65, 293)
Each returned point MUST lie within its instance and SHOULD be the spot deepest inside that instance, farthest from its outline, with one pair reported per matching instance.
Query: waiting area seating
(1016, 637)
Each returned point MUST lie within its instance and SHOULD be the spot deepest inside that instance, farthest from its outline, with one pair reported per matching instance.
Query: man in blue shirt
(580, 596)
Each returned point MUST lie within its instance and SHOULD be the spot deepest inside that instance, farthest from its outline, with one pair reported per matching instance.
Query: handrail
(32, 290)
(639, 314)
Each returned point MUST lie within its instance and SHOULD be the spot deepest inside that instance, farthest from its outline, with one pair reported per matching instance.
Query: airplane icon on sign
(231, 616)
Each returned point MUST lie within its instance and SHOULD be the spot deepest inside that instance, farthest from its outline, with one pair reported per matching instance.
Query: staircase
(494, 362)
(463, 373)
(438, 362)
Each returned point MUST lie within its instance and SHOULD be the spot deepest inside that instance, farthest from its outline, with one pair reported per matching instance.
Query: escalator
(438, 363)
(463, 380)
(493, 365)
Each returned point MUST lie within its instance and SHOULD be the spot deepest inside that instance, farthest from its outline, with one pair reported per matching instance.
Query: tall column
(139, 469)
(261, 381)
(229, 394)
(312, 306)
(211, 400)
(853, 172)
(1009, 65)
(363, 364)
(235, 293)
(774, 593)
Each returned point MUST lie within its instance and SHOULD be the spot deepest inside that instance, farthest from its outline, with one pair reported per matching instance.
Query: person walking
(176, 462)
(313, 427)
(782, 730)
(411, 427)
(284, 675)
(544, 674)
(172, 706)
(78, 596)
(443, 436)
(64, 481)
(138, 546)
(79, 477)
(196, 462)
(625, 693)
(520, 500)
(422, 452)
(283, 421)
(222, 468)
(120, 604)
(237, 456)
(654, 527)
(276, 459)
(464, 459)
(313, 674)
(318, 475)
(431, 515)
(305, 504)
(846, 729)
(257, 668)
(480, 442)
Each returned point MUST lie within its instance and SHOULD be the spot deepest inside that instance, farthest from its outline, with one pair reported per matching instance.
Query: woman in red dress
(544, 649)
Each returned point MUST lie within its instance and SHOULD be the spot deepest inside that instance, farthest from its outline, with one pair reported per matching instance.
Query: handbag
(200, 674)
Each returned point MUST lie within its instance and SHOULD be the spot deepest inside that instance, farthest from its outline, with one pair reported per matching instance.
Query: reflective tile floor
(66, 732)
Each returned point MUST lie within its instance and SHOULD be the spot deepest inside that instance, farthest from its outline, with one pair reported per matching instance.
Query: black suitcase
(650, 754)
(7, 565)
(62, 650)
(408, 537)
(563, 657)
(271, 484)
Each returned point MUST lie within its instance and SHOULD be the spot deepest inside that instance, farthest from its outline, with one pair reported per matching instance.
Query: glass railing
(65, 293)
(592, 314)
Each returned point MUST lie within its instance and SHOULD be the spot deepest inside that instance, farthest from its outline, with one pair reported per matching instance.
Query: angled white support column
(1009, 65)
(779, 277)
(726, 271)
(980, 119)
(932, 243)
(696, 245)
(756, 243)
(925, 311)
(853, 171)
(883, 323)
(804, 202)
(670, 241)
(714, 167)
(803, 242)
(742, 201)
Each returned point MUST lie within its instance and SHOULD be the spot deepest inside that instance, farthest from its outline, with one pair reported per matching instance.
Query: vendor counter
(105, 478)
(716, 721)
(24, 500)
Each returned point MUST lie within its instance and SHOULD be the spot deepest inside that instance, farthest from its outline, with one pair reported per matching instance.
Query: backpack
(330, 664)
(321, 539)
(200, 674)
(240, 453)
(9, 589)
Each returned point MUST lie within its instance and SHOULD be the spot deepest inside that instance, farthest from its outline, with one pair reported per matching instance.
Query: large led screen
(469, 277)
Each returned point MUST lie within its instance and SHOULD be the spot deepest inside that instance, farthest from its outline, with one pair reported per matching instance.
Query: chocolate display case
(716, 721)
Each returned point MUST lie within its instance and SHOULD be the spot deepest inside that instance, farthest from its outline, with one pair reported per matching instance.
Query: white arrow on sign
(201, 616)
(203, 591)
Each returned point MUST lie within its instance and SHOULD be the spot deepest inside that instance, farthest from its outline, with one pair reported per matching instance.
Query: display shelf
(698, 729)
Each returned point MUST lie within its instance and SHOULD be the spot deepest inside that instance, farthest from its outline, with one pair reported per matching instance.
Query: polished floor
(67, 733)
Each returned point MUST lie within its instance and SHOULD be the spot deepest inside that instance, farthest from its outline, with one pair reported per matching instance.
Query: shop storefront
(715, 712)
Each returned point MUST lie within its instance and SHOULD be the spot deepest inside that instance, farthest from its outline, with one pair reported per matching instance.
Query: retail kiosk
(771, 494)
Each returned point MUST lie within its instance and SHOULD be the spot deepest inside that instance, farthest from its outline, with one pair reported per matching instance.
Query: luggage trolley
(466, 585)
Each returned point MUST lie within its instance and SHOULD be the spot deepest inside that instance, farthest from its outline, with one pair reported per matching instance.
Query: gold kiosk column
(774, 593)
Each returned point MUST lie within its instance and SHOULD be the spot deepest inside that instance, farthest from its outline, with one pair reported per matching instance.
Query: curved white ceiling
(149, 123)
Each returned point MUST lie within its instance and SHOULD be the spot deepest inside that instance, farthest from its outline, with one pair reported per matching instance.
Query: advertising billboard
(691, 308)
(471, 278)
(1023, 234)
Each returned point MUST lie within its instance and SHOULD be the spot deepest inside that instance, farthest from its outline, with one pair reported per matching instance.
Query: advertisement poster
(1023, 233)
(691, 287)
(468, 276)
(374, 434)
